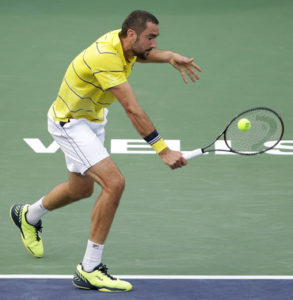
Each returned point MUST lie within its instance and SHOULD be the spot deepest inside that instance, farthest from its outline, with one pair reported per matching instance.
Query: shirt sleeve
(109, 70)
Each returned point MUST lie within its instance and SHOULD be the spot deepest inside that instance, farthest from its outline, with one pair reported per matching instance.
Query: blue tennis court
(165, 289)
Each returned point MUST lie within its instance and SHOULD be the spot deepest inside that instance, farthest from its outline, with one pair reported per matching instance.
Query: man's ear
(132, 35)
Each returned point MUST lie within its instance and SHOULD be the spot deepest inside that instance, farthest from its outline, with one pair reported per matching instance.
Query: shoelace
(38, 228)
(104, 270)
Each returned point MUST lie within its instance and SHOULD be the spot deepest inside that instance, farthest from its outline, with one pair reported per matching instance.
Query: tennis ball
(244, 124)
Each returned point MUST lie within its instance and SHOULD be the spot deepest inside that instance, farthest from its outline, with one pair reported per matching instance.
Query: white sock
(93, 256)
(35, 212)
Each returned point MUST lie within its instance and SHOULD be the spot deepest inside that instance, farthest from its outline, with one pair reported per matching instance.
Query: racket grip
(192, 154)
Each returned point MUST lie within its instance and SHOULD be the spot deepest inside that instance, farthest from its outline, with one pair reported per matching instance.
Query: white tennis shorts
(81, 141)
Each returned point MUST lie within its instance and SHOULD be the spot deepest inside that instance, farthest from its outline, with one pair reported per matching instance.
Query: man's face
(146, 41)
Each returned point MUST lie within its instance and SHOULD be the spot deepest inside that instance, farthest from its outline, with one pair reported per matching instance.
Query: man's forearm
(141, 122)
(135, 113)
(159, 56)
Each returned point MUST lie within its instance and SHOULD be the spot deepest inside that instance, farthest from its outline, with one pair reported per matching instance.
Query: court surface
(221, 215)
(165, 289)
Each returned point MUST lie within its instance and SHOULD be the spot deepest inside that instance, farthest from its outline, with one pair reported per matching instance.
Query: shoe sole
(100, 289)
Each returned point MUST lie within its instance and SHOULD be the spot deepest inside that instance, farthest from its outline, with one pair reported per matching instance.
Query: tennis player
(76, 120)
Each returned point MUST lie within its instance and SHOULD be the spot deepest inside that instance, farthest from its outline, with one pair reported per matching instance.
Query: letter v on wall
(39, 147)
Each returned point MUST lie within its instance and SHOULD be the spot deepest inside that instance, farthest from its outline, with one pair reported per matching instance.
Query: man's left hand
(185, 66)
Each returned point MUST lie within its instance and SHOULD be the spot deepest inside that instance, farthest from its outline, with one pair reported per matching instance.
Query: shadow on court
(45, 289)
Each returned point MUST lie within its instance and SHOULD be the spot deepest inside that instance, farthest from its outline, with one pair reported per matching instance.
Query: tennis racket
(267, 129)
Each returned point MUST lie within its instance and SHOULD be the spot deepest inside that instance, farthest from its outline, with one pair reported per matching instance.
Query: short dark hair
(137, 21)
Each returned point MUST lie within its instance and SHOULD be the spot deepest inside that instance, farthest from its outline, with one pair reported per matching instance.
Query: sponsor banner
(139, 146)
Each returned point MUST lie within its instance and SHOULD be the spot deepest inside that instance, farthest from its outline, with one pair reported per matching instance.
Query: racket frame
(200, 151)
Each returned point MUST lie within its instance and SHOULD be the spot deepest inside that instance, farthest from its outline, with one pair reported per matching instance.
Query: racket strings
(265, 132)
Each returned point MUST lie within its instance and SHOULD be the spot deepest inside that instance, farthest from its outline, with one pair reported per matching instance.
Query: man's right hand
(173, 159)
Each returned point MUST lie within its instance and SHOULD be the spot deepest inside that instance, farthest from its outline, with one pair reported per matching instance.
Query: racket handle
(192, 154)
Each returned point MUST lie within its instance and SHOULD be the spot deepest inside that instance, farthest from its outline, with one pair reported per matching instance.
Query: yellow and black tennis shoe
(100, 280)
(29, 233)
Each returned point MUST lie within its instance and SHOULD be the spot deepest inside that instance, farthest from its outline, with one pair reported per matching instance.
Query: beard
(137, 51)
(142, 54)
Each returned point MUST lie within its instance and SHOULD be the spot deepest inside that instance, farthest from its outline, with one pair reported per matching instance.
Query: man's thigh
(81, 184)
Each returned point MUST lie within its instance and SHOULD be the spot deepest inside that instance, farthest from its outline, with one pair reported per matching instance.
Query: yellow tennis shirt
(84, 89)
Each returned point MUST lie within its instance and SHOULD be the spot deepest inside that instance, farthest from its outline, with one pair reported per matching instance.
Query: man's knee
(116, 184)
(108, 176)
